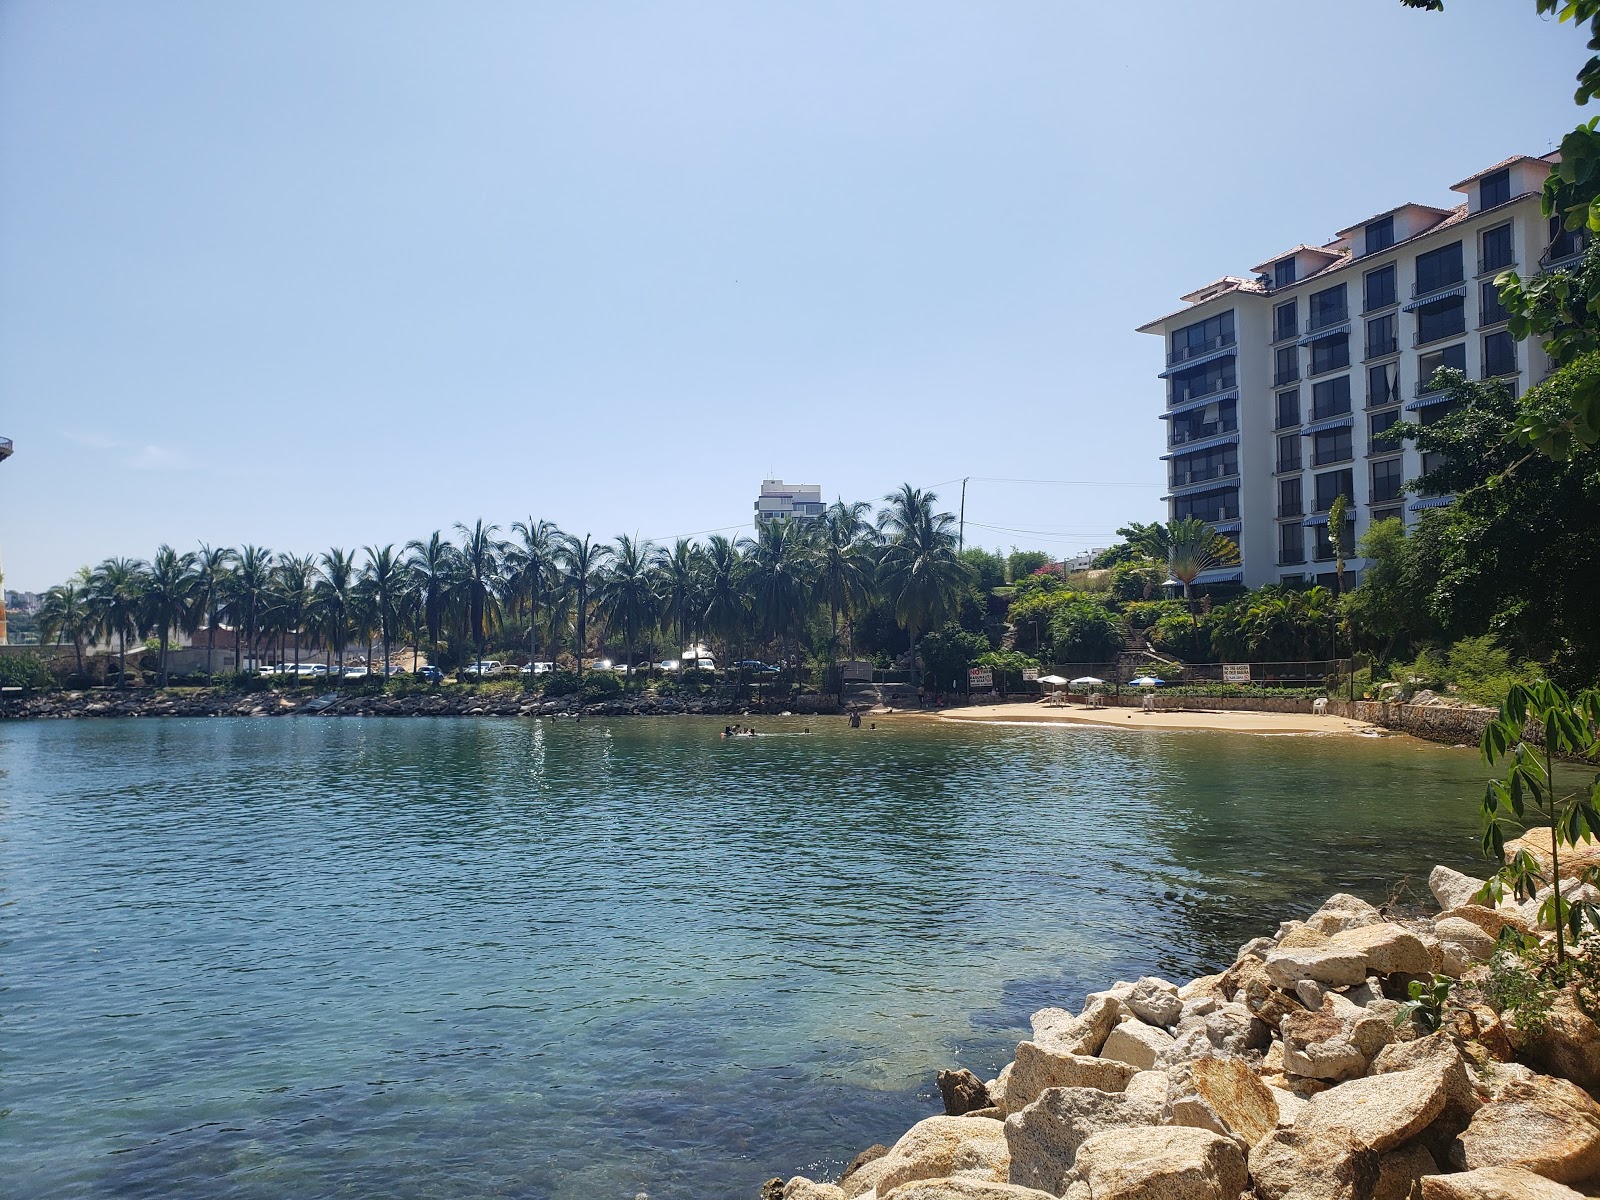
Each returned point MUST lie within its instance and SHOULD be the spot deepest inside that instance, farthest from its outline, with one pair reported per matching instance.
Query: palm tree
(679, 587)
(626, 596)
(780, 578)
(292, 582)
(433, 566)
(581, 562)
(920, 571)
(480, 571)
(210, 591)
(248, 589)
(65, 613)
(1153, 541)
(844, 561)
(116, 591)
(726, 606)
(169, 587)
(532, 568)
(384, 586)
(332, 597)
(1193, 547)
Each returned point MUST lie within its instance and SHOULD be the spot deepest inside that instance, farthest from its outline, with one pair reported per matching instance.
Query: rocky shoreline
(75, 705)
(1296, 1074)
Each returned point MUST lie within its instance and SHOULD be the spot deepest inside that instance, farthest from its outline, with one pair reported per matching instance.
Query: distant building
(779, 500)
(1082, 562)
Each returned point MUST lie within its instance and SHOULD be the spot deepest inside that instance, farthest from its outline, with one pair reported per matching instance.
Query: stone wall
(1436, 723)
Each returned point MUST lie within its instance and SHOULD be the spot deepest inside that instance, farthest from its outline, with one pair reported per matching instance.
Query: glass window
(1291, 542)
(1330, 398)
(1439, 268)
(1490, 310)
(1387, 480)
(1288, 408)
(1386, 514)
(1324, 547)
(1378, 423)
(1382, 336)
(1452, 357)
(1283, 272)
(1202, 337)
(1330, 354)
(1383, 385)
(1289, 452)
(1331, 446)
(1286, 366)
(1215, 376)
(1204, 465)
(1289, 502)
(1380, 288)
(1335, 483)
(1494, 189)
(1285, 321)
(1380, 235)
(1221, 505)
(1496, 249)
(1442, 319)
(1499, 355)
(1326, 308)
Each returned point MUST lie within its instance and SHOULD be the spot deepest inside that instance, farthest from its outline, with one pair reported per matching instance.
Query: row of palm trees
(538, 584)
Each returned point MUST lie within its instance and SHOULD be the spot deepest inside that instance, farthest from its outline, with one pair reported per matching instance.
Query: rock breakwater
(1299, 1073)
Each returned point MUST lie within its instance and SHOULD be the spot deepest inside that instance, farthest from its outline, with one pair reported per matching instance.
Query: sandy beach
(1123, 718)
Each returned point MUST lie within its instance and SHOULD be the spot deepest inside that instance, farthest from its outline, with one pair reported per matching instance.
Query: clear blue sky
(610, 264)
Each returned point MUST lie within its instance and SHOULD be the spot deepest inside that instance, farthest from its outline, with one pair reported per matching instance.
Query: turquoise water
(457, 958)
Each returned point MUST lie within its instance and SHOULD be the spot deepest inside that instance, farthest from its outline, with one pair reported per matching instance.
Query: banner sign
(980, 677)
(1030, 674)
(1235, 672)
(856, 671)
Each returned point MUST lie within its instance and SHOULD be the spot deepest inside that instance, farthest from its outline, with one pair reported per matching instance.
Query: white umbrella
(1052, 680)
(1146, 681)
(1088, 681)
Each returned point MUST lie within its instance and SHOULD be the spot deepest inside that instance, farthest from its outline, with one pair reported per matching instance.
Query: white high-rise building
(1277, 384)
(802, 501)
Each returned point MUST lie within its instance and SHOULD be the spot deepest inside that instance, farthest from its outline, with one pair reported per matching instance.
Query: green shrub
(558, 683)
(1136, 581)
(1008, 666)
(948, 653)
(26, 671)
(600, 685)
(1182, 638)
(1085, 631)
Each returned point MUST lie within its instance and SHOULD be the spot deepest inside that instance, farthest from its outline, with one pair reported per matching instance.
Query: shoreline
(1213, 720)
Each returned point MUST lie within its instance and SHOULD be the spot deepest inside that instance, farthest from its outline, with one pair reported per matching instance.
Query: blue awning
(1221, 575)
(1191, 405)
(1434, 297)
(1429, 401)
(1433, 502)
(1319, 335)
(1315, 519)
(1227, 526)
(1198, 360)
(1330, 423)
(1223, 439)
(1220, 484)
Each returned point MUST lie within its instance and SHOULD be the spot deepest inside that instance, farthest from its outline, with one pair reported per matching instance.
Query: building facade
(779, 500)
(1278, 386)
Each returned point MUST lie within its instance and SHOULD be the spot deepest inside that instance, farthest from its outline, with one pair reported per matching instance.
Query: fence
(1265, 675)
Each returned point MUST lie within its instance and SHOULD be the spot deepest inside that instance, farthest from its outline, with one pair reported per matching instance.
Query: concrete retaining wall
(1436, 723)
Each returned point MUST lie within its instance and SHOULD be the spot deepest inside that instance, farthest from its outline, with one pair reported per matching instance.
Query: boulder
(999, 1087)
(1044, 1137)
(1574, 859)
(1036, 1069)
(1060, 1031)
(941, 1146)
(1490, 920)
(1463, 933)
(1297, 935)
(1342, 912)
(1206, 987)
(871, 1154)
(801, 1188)
(1332, 965)
(1389, 948)
(1568, 1045)
(1171, 1163)
(1544, 1125)
(1233, 1029)
(1334, 1043)
(1289, 1164)
(959, 1187)
(962, 1092)
(1381, 1111)
(1495, 1183)
(1289, 1105)
(1260, 997)
(1400, 1173)
(1310, 993)
(1232, 1091)
(1154, 1001)
(1452, 889)
(1138, 1044)
(1439, 1054)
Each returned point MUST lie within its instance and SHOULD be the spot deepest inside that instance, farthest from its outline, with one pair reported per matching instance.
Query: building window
(1381, 423)
(1335, 483)
(1214, 333)
(1324, 547)
(1441, 319)
(1453, 358)
(1496, 246)
(1331, 446)
(1439, 269)
(1490, 310)
(1382, 336)
(1387, 480)
(1330, 354)
(1494, 189)
(1326, 308)
(1380, 288)
(1215, 376)
(1386, 514)
(1285, 321)
(1221, 416)
(1289, 452)
(1286, 365)
(1288, 409)
(1565, 243)
(1220, 505)
(1383, 385)
(1499, 355)
(1380, 234)
(1289, 502)
(1330, 398)
(1204, 465)
(1283, 272)
(1291, 543)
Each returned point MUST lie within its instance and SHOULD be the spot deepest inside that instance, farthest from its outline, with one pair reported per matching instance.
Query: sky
(308, 275)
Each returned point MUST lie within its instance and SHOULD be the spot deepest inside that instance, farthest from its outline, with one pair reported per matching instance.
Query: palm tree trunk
(162, 657)
(122, 655)
(211, 639)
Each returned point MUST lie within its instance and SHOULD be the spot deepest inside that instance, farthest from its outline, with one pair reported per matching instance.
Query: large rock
(1568, 1045)
(1495, 1183)
(1058, 1030)
(1044, 1137)
(1036, 1069)
(941, 1146)
(1389, 949)
(1332, 965)
(1381, 1111)
(1544, 1125)
(1343, 912)
(1289, 1164)
(1490, 920)
(1400, 1173)
(962, 1092)
(1574, 859)
(1437, 1053)
(1337, 1042)
(1253, 988)
(1138, 1044)
(1452, 889)
(801, 1188)
(1172, 1163)
(1154, 1001)
(1232, 1091)
(959, 1187)
(1465, 934)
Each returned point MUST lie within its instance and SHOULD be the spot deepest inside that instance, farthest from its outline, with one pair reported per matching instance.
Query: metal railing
(1427, 339)
(1282, 333)
(1436, 285)
(1297, 509)
(1485, 265)
(1220, 342)
(1493, 370)
(1377, 348)
(1224, 385)
(1292, 375)
(1195, 433)
(1288, 464)
(1316, 321)
(1204, 475)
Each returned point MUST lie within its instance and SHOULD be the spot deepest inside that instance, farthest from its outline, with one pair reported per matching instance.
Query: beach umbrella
(1146, 681)
(1052, 680)
(1083, 681)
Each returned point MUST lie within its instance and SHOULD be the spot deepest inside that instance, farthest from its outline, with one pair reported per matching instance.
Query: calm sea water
(458, 958)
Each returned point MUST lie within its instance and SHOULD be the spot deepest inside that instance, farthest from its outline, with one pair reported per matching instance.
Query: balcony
(1422, 338)
(1220, 342)
(1339, 409)
(1288, 558)
(1290, 375)
(1435, 285)
(1565, 251)
(1195, 433)
(1288, 464)
(1285, 332)
(1223, 384)
(1500, 366)
(1327, 318)
(1204, 475)
(1294, 509)
(1378, 347)
(1495, 263)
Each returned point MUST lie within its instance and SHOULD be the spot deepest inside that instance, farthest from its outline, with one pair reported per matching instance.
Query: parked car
(431, 674)
(356, 672)
(486, 667)
(756, 667)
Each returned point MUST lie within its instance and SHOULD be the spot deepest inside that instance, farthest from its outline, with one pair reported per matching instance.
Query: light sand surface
(1225, 720)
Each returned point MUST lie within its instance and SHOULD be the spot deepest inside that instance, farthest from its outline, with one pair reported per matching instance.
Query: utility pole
(961, 537)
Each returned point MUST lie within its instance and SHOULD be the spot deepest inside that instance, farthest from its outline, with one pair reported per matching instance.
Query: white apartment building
(802, 501)
(1278, 384)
